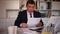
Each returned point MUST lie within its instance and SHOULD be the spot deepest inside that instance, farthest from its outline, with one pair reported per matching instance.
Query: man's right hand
(23, 25)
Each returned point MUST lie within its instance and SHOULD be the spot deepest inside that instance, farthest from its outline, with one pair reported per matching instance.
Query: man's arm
(40, 24)
(18, 20)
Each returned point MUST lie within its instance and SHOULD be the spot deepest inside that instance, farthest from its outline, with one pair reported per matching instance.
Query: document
(32, 22)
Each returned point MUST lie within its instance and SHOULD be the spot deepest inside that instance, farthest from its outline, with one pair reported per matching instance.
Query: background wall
(7, 4)
(7, 7)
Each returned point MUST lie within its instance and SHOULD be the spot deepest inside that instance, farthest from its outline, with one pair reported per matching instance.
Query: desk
(20, 31)
(26, 31)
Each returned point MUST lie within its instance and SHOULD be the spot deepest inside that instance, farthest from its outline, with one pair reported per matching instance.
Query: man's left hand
(39, 24)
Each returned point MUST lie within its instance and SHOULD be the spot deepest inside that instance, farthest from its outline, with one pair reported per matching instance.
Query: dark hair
(30, 2)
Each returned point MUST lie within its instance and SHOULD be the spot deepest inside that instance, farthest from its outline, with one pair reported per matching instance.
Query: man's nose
(31, 8)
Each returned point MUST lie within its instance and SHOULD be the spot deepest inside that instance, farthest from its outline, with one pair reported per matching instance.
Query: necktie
(30, 15)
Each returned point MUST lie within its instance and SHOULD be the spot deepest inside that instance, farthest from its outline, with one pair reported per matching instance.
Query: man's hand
(39, 24)
(23, 25)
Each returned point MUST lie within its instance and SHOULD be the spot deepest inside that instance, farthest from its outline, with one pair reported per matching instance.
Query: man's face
(30, 7)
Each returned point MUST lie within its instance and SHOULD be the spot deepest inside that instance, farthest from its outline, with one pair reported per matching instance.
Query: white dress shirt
(29, 18)
(32, 22)
(28, 15)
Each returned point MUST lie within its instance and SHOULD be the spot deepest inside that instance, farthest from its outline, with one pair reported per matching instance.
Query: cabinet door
(43, 6)
(55, 5)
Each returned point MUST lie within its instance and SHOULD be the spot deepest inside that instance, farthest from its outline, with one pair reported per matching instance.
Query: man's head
(30, 5)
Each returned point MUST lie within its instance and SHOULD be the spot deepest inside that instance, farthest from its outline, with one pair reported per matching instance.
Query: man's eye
(29, 6)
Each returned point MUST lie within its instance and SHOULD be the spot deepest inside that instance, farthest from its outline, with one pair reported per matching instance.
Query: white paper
(33, 21)
(27, 31)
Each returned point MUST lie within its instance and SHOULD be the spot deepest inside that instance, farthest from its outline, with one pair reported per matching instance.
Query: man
(23, 16)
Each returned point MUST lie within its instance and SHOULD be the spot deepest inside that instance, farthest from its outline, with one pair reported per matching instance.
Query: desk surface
(21, 31)
(26, 31)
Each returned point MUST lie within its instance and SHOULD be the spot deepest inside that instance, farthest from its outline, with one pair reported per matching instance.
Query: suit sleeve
(41, 22)
(18, 20)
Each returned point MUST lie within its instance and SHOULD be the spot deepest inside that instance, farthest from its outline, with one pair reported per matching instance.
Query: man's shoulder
(36, 12)
(23, 11)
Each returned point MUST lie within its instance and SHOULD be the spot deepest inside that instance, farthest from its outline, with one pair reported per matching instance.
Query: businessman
(23, 16)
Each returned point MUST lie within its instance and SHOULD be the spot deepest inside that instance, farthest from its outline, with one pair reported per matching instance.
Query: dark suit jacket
(22, 17)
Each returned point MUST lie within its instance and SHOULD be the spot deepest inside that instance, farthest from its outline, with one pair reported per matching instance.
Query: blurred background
(9, 10)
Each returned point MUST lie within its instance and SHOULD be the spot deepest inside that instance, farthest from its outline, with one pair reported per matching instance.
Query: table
(20, 31)
(26, 31)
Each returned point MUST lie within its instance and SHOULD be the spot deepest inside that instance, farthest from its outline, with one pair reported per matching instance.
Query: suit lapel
(34, 15)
